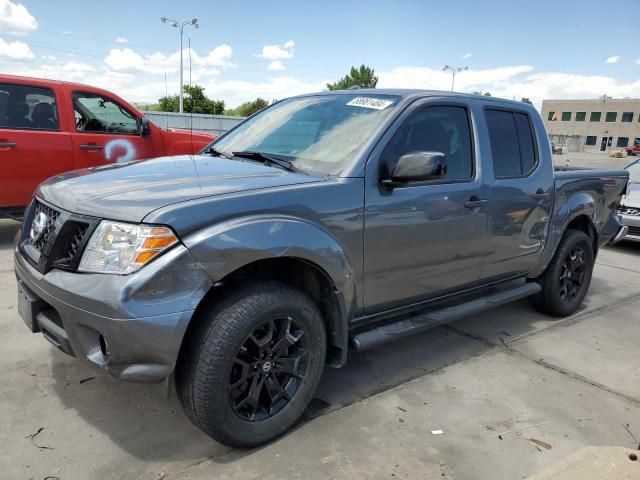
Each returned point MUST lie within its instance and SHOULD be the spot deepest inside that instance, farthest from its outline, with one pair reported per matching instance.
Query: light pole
(453, 70)
(180, 25)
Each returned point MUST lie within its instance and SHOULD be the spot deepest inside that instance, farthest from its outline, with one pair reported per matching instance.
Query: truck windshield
(318, 134)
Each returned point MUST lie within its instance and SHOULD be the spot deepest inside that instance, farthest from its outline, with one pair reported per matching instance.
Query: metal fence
(215, 124)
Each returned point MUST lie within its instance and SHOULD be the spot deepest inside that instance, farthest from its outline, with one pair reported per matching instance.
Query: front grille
(634, 231)
(76, 238)
(629, 211)
(51, 216)
(55, 238)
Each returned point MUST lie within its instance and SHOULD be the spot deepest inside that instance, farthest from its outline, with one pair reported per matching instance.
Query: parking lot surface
(500, 395)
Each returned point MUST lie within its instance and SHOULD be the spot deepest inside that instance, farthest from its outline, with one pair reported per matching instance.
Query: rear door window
(512, 143)
(27, 107)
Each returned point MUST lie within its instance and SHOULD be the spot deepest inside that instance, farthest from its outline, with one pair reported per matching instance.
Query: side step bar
(434, 318)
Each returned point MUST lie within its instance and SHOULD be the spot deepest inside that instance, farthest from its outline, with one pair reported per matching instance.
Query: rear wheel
(566, 280)
(248, 372)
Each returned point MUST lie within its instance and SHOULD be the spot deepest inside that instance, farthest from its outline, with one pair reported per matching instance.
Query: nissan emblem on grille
(38, 226)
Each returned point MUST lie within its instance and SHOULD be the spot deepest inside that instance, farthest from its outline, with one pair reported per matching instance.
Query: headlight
(124, 247)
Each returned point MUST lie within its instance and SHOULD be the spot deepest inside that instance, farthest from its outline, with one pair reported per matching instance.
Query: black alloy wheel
(572, 275)
(268, 369)
(566, 280)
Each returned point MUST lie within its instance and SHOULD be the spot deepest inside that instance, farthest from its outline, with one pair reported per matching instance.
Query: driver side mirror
(143, 126)
(417, 167)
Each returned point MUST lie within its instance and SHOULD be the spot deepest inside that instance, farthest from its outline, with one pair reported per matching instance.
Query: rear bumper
(131, 326)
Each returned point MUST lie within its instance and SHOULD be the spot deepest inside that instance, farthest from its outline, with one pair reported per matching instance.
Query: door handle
(540, 195)
(474, 202)
(91, 146)
(8, 144)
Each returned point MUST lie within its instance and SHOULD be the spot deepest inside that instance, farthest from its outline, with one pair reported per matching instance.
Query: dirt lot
(491, 384)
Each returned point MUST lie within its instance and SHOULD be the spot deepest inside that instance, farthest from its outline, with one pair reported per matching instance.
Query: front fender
(227, 246)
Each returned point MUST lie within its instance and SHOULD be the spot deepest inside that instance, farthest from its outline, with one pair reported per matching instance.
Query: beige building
(601, 124)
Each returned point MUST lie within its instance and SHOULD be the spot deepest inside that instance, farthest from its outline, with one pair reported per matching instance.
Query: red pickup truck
(48, 127)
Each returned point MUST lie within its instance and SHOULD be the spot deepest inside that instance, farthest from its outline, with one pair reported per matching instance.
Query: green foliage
(479, 92)
(195, 101)
(526, 100)
(248, 108)
(363, 77)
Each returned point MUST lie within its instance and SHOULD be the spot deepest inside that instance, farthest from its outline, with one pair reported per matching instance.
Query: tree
(248, 108)
(479, 92)
(363, 77)
(195, 101)
(526, 100)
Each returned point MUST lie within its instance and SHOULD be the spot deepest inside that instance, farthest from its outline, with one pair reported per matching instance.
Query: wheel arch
(293, 251)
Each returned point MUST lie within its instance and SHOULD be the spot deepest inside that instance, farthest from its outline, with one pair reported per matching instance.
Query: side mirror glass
(418, 167)
(143, 126)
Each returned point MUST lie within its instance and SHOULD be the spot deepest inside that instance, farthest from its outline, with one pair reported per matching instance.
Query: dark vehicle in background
(48, 127)
(630, 204)
(326, 221)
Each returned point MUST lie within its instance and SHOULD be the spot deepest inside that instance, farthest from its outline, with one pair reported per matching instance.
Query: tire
(228, 371)
(564, 288)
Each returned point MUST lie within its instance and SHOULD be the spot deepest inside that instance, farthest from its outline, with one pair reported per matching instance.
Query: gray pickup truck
(326, 221)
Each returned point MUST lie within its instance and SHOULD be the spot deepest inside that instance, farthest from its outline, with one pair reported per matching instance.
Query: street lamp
(454, 70)
(180, 25)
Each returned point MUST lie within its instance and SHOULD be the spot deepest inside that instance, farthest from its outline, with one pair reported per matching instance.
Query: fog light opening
(103, 347)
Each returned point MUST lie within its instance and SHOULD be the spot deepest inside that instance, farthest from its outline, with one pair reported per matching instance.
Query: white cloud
(121, 40)
(638, 61)
(467, 55)
(614, 59)
(436, 79)
(278, 52)
(127, 60)
(16, 19)
(15, 51)
(218, 57)
(78, 67)
(48, 57)
(511, 82)
(275, 65)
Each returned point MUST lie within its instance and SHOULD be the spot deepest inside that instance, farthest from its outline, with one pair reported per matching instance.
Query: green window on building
(591, 140)
(580, 116)
(595, 117)
(627, 117)
(622, 142)
(550, 116)
(611, 117)
(566, 116)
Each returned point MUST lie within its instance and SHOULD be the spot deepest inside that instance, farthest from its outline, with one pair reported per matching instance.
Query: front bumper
(132, 326)
(633, 224)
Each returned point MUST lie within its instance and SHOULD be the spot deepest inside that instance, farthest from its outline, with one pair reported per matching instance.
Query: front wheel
(566, 280)
(249, 370)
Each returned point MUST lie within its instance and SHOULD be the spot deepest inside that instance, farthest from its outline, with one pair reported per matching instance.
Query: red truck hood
(130, 191)
(201, 136)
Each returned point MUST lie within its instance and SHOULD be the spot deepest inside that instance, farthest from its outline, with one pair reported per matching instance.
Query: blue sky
(542, 49)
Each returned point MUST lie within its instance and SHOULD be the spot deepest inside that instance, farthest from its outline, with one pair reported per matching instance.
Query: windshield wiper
(267, 159)
(218, 153)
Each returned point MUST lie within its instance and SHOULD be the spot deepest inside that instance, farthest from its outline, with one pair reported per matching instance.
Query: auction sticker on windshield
(375, 103)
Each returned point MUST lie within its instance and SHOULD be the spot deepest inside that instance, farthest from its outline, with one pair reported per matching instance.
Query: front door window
(99, 114)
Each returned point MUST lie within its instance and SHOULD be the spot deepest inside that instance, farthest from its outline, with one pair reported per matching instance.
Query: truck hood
(130, 191)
